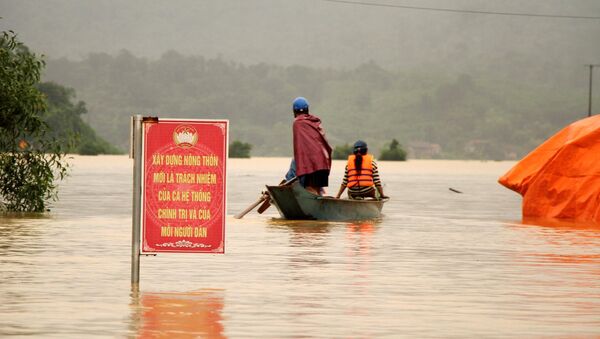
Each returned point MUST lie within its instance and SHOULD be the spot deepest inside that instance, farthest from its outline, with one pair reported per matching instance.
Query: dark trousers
(315, 179)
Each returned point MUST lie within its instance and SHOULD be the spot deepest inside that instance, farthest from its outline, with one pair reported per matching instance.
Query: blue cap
(300, 105)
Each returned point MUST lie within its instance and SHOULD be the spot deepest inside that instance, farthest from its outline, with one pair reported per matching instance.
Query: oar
(251, 207)
(264, 197)
(265, 205)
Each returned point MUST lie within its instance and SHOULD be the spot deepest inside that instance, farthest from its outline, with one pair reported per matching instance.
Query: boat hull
(295, 203)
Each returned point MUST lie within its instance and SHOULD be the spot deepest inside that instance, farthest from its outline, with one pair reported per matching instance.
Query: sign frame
(185, 248)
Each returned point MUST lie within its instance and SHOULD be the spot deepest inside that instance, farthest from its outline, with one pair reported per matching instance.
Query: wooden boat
(294, 202)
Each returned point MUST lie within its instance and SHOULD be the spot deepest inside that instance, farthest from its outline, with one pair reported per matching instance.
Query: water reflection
(16, 228)
(15, 232)
(360, 237)
(306, 232)
(196, 314)
(359, 242)
(566, 276)
(308, 239)
(565, 225)
(561, 241)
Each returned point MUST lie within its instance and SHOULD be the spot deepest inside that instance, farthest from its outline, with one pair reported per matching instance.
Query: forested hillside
(66, 125)
(446, 78)
(432, 113)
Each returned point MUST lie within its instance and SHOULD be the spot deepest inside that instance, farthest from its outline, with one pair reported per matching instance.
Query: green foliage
(239, 149)
(30, 159)
(64, 119)
(27, 179)
(393, 152)
(341, 152)
(478, 115)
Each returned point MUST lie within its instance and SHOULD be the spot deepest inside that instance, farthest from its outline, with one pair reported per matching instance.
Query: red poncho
(311, 149)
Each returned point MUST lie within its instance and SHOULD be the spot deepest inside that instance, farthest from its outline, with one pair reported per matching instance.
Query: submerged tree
(30, 160)
(393, 152)
(239, 149)
(341, 152)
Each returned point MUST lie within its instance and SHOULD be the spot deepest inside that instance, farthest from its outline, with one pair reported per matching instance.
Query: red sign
(184, 196)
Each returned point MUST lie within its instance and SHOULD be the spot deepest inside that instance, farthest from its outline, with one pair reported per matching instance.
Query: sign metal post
(136, 152)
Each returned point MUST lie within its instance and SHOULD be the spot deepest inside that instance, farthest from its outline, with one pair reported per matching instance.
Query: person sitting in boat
(312, 152)
(361, 175)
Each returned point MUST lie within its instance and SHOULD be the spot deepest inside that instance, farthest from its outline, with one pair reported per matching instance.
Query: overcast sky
(309, 32)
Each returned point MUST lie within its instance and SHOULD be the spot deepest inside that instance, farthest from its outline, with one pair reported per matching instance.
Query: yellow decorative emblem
(185, 136)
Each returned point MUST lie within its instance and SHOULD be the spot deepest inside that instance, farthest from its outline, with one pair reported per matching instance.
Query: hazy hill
(466, 115)
(446, 78)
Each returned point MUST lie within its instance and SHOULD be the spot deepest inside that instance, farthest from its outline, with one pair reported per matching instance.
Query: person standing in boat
(361, 175)
(312, 152)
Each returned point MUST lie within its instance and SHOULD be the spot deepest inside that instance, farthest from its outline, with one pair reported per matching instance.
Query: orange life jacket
(365, 178)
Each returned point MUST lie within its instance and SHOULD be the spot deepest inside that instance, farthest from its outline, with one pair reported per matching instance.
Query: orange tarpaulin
(561, 177)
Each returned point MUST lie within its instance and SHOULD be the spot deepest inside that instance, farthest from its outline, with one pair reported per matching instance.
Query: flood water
(437, 264)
